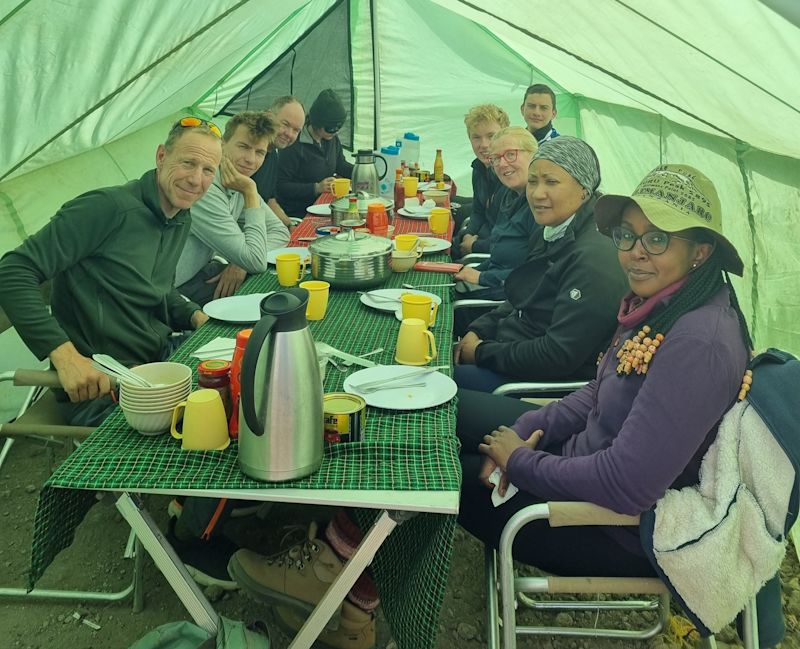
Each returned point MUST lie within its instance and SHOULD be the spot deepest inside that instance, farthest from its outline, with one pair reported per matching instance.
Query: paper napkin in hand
(511, 490)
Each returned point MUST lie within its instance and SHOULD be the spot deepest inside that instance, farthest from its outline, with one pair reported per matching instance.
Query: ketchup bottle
(236, 374)
(377, 219)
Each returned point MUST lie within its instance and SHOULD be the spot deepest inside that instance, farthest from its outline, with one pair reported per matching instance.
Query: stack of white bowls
(149, 410)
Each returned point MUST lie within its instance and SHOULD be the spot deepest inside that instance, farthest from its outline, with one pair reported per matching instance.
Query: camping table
(407, 462)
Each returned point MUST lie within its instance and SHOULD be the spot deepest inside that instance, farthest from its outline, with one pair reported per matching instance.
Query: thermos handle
(385, 166)
(248, 380)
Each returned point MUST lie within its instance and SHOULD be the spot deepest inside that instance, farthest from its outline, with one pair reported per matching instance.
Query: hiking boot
(205, 561)
(297, 578)
(356, 628)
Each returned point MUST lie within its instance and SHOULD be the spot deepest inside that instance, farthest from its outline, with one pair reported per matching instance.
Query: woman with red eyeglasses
(307, 168)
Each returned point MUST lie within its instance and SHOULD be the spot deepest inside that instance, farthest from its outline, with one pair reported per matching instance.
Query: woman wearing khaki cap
(642, 426)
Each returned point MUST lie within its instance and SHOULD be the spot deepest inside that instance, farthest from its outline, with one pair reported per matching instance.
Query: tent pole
(376, 76)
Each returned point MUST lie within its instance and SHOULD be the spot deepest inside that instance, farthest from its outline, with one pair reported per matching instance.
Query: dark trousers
(563, 551)
(196, 289)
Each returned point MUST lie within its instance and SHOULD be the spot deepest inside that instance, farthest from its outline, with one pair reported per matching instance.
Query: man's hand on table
(324, 186)
(233, 179)
(79, 379)
(464, 353)
(199, 318)
(466, 243)
(228, 281)
(468, 274)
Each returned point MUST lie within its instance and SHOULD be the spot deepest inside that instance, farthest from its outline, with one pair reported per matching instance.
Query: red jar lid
(242, 337)
(214, 368)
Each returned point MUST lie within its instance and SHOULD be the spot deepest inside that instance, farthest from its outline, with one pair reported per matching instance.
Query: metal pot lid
(364, 199)
(350, 245)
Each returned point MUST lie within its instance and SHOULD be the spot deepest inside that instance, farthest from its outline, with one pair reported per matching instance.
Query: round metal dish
(351, 259)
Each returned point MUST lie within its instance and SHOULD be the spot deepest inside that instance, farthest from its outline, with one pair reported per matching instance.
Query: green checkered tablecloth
(402, 451)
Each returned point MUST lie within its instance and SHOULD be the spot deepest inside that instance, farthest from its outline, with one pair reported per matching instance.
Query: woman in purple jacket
(642, 426)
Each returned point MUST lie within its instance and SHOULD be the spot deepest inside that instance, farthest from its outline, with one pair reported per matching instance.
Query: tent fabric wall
(91, 93)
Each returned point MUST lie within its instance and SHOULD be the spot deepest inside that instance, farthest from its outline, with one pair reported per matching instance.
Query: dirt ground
(95, 560)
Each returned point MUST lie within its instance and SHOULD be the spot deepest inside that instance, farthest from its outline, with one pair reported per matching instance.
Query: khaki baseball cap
(674, 197)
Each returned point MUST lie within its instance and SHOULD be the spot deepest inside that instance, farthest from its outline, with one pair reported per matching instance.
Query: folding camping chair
(39, 418)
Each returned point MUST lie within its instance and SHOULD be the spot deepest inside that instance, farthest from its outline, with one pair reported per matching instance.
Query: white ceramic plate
(236, 308)
(323, 209)
(438, 389)
(422, 215)
(392, 304)
(303, 252)
(431, 185)
(432, 244)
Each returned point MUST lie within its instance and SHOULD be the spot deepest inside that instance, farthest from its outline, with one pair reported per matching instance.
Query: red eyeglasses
(190, 122)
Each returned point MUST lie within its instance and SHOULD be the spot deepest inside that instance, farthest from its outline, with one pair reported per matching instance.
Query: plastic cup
(410, 185)
(341, 187)
(317, 298)
(439, 220)
(290, 269)
(419, 306)
(406, 241)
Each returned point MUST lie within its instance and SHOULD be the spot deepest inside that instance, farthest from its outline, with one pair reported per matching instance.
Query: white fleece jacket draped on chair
(719, 542)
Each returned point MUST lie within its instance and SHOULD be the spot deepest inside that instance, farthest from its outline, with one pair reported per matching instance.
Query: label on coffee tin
(345, 417)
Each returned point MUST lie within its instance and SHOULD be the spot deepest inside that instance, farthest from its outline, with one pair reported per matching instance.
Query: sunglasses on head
(333, 129)
(191, 122)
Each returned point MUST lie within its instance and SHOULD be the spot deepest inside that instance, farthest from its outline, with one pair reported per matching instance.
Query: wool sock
(343, 535)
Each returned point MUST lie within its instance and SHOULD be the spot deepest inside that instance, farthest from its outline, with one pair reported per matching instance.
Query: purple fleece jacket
(625, 441)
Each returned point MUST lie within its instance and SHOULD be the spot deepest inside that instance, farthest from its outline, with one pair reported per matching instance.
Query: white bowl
(153, 404)
(125, 392)
(162, 375)
(149, 423)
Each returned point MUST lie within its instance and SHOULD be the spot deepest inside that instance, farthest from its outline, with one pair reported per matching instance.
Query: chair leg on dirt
(492, 611)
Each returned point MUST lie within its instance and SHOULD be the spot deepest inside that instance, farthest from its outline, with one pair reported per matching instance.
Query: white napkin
(325, 348)
(221, 348)
(511, 490)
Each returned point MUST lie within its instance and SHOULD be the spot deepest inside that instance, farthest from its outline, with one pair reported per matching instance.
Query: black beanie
(327, 110)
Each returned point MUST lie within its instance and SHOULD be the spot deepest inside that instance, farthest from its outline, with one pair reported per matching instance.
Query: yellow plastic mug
(410, 185)
(406, 242)
(205, 427)
(290, 270)
(317, 298)
(341, 187)
(415, 343)
(419, 306)
(439, 220)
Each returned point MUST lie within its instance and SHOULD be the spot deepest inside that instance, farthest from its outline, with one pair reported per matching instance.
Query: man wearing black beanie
(308, 166)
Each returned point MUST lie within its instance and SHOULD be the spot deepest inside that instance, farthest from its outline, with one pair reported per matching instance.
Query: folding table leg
(337, 591)
(152, 539)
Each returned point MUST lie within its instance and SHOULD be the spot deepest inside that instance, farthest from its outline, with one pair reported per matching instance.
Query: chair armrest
(569, 514)
(474, 257)
(463, 304)
(533, 388)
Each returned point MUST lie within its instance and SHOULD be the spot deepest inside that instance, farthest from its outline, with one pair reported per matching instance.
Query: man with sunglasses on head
(289, 116)
(307, 168)
(111, 254)
(232, 220)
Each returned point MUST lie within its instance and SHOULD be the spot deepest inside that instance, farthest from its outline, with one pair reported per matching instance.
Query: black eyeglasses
(333, 129)
(192, 122)
(655, 242)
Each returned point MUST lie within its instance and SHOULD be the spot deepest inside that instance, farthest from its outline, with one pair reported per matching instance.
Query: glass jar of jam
(216, 375)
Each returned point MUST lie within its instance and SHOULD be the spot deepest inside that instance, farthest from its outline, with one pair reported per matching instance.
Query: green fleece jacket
(111, 254)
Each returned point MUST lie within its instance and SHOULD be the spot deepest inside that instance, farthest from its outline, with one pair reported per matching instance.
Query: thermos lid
(288, 307)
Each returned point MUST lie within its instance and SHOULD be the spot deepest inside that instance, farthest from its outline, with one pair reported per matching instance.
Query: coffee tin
(345, 417)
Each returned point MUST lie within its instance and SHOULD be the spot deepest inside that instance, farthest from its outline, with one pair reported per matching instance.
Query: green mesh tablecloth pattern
(408, 450)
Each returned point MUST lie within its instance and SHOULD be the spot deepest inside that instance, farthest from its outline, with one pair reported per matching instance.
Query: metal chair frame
(40, 425)
(513, 588)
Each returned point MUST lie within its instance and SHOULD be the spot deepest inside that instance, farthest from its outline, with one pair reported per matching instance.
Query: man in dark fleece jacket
(111, 254)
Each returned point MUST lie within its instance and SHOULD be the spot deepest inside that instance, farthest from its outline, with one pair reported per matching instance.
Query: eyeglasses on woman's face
(655, 242)
(509, 155)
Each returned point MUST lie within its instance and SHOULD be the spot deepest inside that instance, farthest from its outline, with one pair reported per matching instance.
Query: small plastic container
(377, 219)
(410, 150)
(392, 156)
(242, 338)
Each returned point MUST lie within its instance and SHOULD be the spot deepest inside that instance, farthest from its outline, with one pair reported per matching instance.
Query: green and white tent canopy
(90, 88)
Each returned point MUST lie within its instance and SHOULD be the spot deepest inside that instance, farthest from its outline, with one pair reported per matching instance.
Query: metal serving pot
(351, 259)
(339, 207)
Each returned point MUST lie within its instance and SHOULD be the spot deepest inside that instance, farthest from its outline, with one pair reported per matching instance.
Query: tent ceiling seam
(130, 81)
(741, 150)
(708, 56)
(8, 16)
(597, 67)
(19, 226)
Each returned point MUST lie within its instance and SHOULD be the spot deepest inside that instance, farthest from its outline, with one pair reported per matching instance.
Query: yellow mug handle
(432, 346)
(173, 431)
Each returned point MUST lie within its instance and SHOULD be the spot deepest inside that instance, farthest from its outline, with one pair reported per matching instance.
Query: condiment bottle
(352, 208)
(438, 167)
(236, 386)
(377, 219)
(216, 375)
(399, 191)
